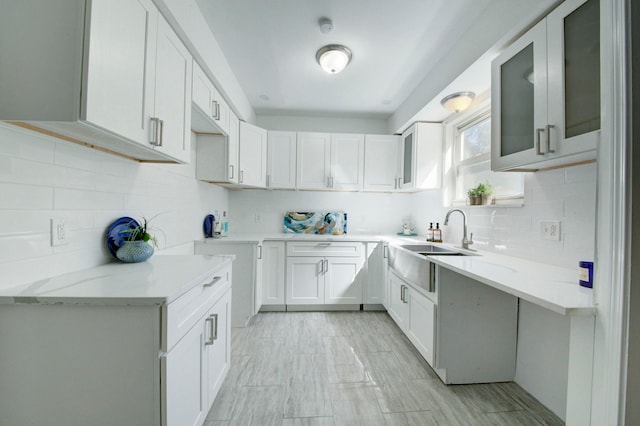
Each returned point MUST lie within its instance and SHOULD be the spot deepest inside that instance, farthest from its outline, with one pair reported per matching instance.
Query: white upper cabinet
(172, 100)
(211, 111)
(347, 161)
(253, 155)
(330, 161)
(314, 159)
(101, 73)
(381, 162)
(421, 157)
(546, 92)
(281, 160)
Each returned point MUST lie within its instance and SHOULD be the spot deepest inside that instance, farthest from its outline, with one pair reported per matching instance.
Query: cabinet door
(305, 280)
(519, 101)
(183, 369)
(347, 161)
(428, 155)
(422, 323)
(313, 165)
(253, 155)
(202, 92)
(273, 274)
(407, 157)
(376, 282)
(114, 95)
(233, 148)
(380, 162)
(398, 305)
(221, 111)
(573, 52)
(343, 280)
(217, 346)
(281, 160)
(173, 94)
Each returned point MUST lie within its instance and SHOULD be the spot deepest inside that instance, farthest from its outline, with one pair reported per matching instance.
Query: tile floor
(352, 368)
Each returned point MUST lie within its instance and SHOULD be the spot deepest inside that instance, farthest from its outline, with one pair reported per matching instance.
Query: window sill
(511, 201)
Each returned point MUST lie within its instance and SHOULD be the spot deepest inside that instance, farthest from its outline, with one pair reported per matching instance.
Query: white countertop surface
(159, 280)
(551, 287)
(258, 238)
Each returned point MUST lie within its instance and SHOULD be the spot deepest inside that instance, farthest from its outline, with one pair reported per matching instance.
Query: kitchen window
(470, 141)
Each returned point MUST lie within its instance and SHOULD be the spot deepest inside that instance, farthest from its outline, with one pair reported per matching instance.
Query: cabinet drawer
(181, 314)
(325, 248)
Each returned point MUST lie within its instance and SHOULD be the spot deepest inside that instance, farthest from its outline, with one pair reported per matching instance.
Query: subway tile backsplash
(42, 177)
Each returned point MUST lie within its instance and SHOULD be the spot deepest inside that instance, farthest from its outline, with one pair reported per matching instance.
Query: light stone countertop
(159, 280)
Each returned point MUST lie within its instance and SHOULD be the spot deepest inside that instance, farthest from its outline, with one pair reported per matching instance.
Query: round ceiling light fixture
(333, 58)
(458, 101)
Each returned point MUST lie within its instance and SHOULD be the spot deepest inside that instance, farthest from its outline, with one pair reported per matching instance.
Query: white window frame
(453, 131)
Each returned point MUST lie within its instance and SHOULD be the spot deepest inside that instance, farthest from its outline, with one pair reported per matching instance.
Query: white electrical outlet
(550, 230)
(58, 232)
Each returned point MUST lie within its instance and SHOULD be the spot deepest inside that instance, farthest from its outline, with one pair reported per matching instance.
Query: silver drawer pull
(214, 281)
(211, 339)
(324, 244)
(548, 131)
(214, 329)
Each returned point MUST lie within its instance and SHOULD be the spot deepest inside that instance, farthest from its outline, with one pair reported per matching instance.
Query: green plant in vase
(138, 243)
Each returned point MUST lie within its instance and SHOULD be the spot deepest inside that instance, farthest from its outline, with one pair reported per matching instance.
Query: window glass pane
(476, 140)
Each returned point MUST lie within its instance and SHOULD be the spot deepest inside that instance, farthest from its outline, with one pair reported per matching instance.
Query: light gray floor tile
(308, 399)
(416, 418)
(309, 421)
(351, 368)
(487, 398)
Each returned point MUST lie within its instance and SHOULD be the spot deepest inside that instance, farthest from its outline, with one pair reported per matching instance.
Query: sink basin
(429, 249)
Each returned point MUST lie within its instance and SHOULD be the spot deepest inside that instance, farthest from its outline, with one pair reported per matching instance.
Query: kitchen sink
(430, 249)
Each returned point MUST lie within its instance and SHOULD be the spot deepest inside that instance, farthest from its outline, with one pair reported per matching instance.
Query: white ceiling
(271, 46)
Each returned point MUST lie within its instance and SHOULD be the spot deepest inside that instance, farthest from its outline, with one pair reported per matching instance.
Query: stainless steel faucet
(466, 242)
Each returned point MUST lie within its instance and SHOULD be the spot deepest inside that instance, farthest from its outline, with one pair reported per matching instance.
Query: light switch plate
(59, 236)
(550, 230)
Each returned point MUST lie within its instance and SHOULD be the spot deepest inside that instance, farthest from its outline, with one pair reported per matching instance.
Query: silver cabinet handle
(402, 287)
(211, 339)
(432, 277)
(400, 183)
(158, 131)
(259, 252)
(548, 131)
(214, 336)
(326, 266)
(405, 294)
(385, 251)
(241, 180)
(321, 267)
(214, 281)
(324, 244)
(231, 166)
(331, 181)
(214, 107)
(538, 148)
(328, 182)
(268, 180)
(217, 111)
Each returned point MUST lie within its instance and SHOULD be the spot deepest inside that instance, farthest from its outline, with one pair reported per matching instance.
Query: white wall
(43, 177)
(368, 213)
(308, 123)
(567, 194)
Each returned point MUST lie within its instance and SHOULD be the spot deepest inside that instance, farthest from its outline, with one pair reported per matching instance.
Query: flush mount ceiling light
(333, 58)
(458, 101)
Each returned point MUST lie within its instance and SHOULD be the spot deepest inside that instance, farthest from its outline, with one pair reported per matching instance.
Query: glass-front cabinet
(546, 92)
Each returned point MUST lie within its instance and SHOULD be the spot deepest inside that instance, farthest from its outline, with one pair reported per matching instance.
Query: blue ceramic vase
(134, 251)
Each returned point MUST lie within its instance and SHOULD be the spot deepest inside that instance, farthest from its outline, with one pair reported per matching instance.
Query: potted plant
(138, 243)
(480, 194)
(473, 197)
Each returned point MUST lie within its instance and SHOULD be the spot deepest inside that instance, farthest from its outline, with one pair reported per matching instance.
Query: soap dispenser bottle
(430, 232)
(437, 234)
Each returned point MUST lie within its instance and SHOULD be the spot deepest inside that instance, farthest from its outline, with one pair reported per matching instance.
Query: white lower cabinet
(247, 275)
(375, 289)
(398, 305)
(273, 273)
(327, 273)
(422, 323)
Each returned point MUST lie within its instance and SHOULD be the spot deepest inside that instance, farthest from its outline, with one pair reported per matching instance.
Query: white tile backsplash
(43, 177)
